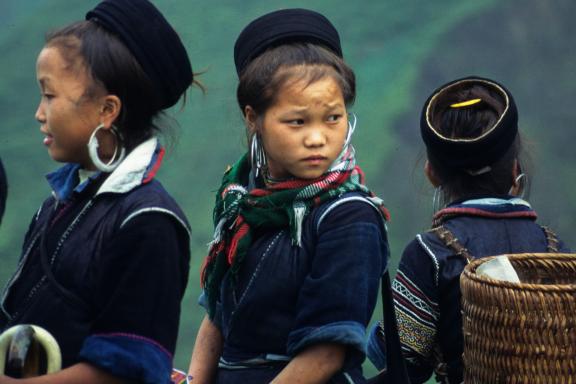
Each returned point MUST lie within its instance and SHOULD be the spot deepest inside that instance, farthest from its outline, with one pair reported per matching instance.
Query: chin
(61, 158)
(310, 175)
(56, 157)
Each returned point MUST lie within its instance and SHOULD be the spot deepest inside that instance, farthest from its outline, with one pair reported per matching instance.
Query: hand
(314, 365)
(7, 380)
(79, 373)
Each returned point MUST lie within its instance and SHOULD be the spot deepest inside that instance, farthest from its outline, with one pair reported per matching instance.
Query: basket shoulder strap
(451, 242)
(551, 239)
(395, 371)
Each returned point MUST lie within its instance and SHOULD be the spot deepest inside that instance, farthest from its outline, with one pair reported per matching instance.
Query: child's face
(66, 116)
(305, 130)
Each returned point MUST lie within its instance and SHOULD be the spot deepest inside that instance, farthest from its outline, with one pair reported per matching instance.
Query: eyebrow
(330, 106)
(44, 81)
(296, 110)
(335, 105)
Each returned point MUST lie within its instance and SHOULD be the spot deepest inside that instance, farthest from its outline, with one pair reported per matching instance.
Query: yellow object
(465, 103)
(43, 337)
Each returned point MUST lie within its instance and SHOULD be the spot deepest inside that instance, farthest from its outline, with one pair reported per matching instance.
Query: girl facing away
(291, 279)
(105, 260)
(474, 151)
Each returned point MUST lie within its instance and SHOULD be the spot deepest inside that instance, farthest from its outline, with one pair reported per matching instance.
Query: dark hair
(470, 122)
(112, 67)
(268, 73)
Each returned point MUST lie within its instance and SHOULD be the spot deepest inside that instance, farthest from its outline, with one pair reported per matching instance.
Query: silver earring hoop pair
(257, 154)
(93, 150)
(351, 128)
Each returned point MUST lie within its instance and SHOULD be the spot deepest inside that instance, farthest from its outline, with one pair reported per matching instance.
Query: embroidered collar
(490, 207)
(139, 167)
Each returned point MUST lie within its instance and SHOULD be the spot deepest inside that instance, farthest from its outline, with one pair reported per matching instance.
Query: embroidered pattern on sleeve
(417, 316)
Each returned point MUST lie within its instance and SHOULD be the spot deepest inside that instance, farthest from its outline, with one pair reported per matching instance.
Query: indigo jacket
(287, 298)
(116, 267)
(427, 285)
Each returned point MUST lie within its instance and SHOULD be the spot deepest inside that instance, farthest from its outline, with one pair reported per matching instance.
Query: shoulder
(348, 209)
(149, 198)
(465, 231)
(429, 244)
(151, 239)
(153, 225)
(424, 255)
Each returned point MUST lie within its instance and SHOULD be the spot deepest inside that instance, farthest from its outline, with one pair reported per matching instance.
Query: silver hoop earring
(520, 180)
(437, 203)
(257, 155)
(93, 150)
(351, 128)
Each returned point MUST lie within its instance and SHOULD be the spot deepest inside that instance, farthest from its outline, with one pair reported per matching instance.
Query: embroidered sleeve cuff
(349, 333)
(376, 350)
(128, 356)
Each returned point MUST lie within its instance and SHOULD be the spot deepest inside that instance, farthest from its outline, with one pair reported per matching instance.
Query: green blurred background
(400, 49)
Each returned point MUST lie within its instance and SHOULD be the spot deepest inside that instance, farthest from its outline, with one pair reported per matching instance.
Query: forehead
(53, 67)
(304, 91)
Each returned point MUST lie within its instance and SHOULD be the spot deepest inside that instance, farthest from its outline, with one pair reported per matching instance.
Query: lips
(317, 159)
(48, 139)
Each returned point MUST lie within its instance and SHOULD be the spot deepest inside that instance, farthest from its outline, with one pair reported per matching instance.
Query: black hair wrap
(477, 152)
(152, 41)
(284, 26)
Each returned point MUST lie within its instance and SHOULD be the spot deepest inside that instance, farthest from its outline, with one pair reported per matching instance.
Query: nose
(40, 115)
(315, 138)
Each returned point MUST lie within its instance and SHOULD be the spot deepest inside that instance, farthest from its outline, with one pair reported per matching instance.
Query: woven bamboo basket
(521, 332)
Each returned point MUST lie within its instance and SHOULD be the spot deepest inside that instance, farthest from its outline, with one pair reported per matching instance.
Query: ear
(111, 107)
(250, 119)
(431, 175)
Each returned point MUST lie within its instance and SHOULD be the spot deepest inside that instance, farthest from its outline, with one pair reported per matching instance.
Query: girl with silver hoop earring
(107, 255)
(299, 240)
(474, 162)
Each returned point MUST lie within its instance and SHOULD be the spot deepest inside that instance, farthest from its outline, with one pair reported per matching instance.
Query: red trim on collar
(479, 212)
(150, 175)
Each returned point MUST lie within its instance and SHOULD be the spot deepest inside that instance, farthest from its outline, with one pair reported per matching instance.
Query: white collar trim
(131, 171)
(496, 201)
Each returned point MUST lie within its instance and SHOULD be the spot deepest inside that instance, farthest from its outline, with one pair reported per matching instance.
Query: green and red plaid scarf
(279, 205)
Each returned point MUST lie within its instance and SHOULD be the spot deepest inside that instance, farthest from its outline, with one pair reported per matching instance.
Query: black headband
(286, 25)
(470, 153)
(152, 41)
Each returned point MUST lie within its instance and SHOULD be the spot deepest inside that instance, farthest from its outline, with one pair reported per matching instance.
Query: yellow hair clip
(465, 103)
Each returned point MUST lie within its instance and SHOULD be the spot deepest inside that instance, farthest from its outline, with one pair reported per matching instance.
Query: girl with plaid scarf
(292, 274)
